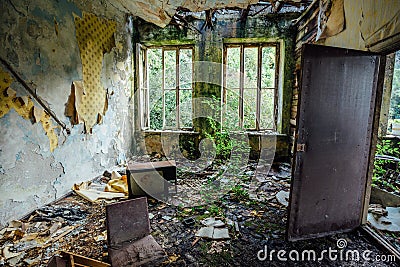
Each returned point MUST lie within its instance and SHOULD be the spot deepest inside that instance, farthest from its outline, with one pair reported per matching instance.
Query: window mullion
(146, 82)
(277, 54)
(177, 88)
(258, 108)
(223, 89)
(241, 86)
(163, 87)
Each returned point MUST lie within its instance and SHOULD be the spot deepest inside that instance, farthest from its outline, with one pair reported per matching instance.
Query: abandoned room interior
(187, 133)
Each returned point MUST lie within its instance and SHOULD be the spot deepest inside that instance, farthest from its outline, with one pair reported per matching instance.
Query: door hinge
(301, 148)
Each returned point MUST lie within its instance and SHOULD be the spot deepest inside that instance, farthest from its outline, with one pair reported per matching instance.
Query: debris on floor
(70, 259)
(283, 198)
(387, 219)
(44, 227)
(116, 188)
(377, 209)
(245, 225)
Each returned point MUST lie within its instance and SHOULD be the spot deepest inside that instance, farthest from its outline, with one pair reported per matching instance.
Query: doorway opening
(384, 206)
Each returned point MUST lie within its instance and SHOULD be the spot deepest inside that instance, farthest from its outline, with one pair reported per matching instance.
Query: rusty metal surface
(337, 105)
(127, 221)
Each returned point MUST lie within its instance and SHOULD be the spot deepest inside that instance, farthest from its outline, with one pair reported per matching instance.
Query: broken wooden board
(69, 259)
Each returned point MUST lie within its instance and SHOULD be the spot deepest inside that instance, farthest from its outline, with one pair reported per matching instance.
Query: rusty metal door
(335, 126)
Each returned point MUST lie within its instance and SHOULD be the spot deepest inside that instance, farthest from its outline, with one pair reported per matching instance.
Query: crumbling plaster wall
(209, 47)
(38, 39)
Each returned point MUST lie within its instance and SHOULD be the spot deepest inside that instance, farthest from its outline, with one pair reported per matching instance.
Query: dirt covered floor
(255, 220)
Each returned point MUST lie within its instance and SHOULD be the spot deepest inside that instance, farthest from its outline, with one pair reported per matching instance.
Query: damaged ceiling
(161, 12)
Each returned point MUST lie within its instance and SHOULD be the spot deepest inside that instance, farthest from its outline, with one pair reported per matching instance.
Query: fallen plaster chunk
(205, 232)
(283, 198)
(15, 224)
(7, 254)
(166, 217)
(213, 233)
(15, 260)
(221, 233)
(212, 222)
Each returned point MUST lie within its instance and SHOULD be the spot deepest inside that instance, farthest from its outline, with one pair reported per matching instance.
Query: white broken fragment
(115, 175)
(229, 222)
(84, 190)
(55, 227)
(221, 233)
(15, 224)
(166, 217)
(7, 254)
(205, 232)
(212, 222)
(213, 233)
(15, 261)
(283, 198)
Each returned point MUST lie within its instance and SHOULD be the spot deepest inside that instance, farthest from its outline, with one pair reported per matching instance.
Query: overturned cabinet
(152, 178)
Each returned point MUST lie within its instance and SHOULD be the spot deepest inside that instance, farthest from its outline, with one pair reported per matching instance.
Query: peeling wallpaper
(38, 38)
(95, 37)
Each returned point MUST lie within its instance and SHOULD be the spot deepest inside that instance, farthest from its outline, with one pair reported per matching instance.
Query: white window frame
(276, 88)
(143, 84)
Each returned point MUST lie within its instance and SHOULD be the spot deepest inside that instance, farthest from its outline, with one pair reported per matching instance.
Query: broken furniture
(72, 260)
(151, 178)
(128, 234)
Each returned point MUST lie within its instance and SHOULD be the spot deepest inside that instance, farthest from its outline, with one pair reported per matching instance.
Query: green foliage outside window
(394, 111)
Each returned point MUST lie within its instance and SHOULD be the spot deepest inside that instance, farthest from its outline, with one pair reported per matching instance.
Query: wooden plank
(258, 105)
(77, 260)
(305, 13)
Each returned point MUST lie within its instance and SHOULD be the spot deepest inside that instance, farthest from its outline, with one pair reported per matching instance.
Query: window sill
(169, 131)
(272, 133)
(251, 133)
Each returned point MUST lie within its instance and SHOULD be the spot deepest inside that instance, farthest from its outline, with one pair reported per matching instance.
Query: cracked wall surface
(39, 40)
